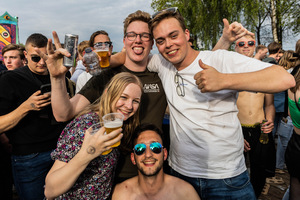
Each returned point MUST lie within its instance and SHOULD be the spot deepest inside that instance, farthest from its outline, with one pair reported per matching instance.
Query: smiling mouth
(171, 53)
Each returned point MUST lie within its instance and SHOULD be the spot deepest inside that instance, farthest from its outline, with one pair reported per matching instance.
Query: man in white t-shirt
(206, 137)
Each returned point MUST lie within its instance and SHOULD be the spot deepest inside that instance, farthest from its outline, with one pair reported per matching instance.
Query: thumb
(202, 65)
(226, 23)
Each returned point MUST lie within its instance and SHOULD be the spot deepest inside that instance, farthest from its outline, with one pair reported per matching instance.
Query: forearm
(60, 101)
(59, 181)
(11, 119)
(222, 44)
(269, 80)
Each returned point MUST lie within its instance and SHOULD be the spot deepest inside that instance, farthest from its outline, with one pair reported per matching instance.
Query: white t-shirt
(205, 132)
(82, 79)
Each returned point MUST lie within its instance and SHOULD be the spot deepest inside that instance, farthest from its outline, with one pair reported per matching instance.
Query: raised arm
(34, 103)
(231, 33)
(63, 107)
(62, 176)
(269, 80)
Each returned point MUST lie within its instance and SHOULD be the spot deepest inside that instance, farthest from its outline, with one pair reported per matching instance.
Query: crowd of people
(219, 103)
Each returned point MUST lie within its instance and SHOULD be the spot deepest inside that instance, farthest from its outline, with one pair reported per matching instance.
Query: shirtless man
(152, 182)
(253, 109)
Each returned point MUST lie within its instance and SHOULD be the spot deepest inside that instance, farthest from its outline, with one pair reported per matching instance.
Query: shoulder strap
(296, 101)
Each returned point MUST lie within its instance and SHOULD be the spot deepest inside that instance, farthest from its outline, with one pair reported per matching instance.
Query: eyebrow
(176, 31)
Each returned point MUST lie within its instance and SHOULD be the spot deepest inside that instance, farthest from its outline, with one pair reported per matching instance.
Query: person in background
(13, 56)
(292, 153)
(253, 109)
(279, 55)
(96, 37)
(273, 48)
(149, 155)
(261, 52)
(79, 170)
(80, 68)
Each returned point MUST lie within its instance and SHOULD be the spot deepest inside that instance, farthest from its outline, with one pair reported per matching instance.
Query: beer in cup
(111, 122)
(102, 51)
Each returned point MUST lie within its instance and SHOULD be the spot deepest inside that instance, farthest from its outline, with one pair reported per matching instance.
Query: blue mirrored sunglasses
(155, 147)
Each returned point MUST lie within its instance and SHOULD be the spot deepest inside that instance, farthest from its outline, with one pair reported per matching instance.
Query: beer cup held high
(102, 50)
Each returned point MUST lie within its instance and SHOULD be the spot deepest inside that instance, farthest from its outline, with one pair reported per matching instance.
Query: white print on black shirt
(148, 88)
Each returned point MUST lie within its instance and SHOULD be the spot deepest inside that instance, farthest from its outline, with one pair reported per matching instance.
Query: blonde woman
(80, 171)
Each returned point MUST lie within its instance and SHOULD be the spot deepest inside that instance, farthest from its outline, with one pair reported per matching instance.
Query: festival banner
(9, 31)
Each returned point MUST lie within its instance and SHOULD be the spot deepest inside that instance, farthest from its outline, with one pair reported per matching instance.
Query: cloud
(73, 16)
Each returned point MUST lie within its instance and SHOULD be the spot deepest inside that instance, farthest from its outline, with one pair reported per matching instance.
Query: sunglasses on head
(172, 10)
(155, 147)
(102, 43)
(35, 58)
(242, 43)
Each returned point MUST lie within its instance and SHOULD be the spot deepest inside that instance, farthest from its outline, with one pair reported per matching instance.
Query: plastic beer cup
(102, 51)
(111, 122)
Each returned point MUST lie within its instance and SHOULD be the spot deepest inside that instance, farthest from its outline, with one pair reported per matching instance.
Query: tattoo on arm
(91, 150)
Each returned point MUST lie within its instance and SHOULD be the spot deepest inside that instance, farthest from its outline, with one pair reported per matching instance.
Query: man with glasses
(138, 44)
(28, 121)
(253, 109)
(152, 183)
(206, 137)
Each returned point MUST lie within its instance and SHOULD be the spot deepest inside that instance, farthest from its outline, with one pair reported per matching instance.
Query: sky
(81, 17)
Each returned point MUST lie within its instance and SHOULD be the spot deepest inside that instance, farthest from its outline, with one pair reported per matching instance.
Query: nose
(168, 43)
(138, 38)
(42, 61)
(128, 104)
(148, 152)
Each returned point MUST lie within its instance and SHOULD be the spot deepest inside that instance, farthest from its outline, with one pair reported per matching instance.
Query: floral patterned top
(95, 182)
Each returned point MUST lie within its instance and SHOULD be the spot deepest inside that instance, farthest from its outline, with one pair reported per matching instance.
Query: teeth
(171, 52)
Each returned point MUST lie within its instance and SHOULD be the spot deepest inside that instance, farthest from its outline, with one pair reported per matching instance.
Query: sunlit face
(36, 67)
(149, 163)
(137, 51)
(129, 101)
(103, 38)
(12, 60)
(246, 50)
(172, 41)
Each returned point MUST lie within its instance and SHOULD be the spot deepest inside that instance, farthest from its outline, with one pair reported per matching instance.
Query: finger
(202, 65)
(41, 54)
(114, 140)
(56, 40)
(44, 104)
(226, 24)
(63, 52)
(50, 49)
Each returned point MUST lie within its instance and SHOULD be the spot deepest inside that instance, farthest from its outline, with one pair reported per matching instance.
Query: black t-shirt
(153, 102)
(38, 131)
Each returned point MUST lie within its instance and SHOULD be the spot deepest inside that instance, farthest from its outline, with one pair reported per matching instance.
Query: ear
(165, 153)
(25, 54)
(132, 158)
(187, 34)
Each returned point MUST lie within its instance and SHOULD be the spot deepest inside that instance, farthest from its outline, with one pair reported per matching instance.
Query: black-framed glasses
(155, 147)
(242, 43)
(172, 10)
(35, 58)
(179, 84)
(131, 36)
(102, 43)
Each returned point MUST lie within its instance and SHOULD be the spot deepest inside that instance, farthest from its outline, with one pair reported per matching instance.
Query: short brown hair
(17, 47)
(92, 38)
(36, 40)
(136, 16)
(274, 47)
(165, 14)
(260, 47)
(82, 46)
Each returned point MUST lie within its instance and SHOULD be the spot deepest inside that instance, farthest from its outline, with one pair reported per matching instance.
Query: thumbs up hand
(209, 79)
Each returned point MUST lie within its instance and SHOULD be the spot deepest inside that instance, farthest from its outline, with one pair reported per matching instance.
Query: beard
(144, 171)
